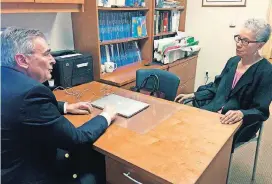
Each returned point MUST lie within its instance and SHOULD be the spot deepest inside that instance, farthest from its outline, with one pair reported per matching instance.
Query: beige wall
(56, 26)
(211, 26)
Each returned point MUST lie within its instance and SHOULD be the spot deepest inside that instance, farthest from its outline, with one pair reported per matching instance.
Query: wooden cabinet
(186, 71)
(38, 6)
(187, 87)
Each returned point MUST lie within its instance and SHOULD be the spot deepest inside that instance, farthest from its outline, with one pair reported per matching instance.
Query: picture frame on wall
(223, 3)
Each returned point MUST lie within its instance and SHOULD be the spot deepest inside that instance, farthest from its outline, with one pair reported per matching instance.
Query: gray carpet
(243, 158)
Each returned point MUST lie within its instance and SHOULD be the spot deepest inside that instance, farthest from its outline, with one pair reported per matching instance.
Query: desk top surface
(178, 149)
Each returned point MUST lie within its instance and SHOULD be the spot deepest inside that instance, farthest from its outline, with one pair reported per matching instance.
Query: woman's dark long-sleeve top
(252, 94)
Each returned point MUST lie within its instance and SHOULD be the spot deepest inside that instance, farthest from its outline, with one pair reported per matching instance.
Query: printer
(72, 68)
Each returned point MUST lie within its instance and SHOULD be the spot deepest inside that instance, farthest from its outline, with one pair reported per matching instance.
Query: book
(139, 27)
(165, 21)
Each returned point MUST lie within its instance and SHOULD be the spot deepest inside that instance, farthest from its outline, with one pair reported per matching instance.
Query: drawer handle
(132, 179)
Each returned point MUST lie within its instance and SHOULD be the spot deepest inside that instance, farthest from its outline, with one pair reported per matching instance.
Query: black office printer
(72, 68)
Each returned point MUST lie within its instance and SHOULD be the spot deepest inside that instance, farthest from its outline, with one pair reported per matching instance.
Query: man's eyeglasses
(244, 41)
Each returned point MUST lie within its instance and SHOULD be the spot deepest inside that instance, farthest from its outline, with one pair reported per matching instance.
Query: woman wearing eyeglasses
(243, 90)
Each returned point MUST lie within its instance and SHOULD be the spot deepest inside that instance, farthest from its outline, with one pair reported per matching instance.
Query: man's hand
(231, 117)
(181, 97)
(111, 111)
(79, 108)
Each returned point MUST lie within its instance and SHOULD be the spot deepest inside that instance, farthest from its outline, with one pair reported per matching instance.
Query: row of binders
(166, 21)
(120, 25)
(121, 3)
(121, 53)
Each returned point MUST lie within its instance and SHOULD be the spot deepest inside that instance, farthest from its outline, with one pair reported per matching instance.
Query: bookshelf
(86, 32)
(86, 39)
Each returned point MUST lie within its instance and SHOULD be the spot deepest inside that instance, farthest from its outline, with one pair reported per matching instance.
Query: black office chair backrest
(169, 82)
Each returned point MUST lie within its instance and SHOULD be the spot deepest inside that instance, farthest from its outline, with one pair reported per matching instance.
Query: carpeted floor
(243, 158)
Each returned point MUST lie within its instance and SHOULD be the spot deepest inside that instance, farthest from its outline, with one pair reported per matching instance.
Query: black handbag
(154, 90)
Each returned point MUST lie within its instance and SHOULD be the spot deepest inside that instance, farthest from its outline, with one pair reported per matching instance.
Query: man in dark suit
(33, 127)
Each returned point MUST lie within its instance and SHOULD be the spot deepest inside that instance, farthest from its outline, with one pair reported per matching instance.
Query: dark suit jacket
(252, 94)
(32, 129)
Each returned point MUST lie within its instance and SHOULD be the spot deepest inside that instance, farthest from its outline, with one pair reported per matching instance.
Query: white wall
(210, 25)
(56, 26)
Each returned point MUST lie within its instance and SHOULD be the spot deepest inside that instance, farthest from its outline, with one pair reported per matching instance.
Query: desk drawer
(118, 173)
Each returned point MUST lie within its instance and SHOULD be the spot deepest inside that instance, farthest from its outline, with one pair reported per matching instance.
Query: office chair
(169, 82)
(237, 144)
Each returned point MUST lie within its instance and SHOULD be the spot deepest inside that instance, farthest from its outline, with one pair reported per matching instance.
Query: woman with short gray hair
(243, 91)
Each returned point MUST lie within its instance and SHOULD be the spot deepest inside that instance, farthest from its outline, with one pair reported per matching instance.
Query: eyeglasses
(244, 41)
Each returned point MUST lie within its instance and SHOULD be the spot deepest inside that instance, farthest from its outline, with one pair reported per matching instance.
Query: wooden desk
(187, 146)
